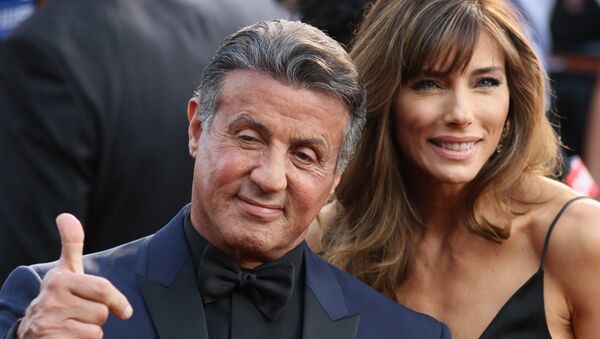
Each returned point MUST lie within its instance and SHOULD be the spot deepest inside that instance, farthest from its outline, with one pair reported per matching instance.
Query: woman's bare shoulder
(575, 222)
(576, 229)
(556, 196)
(555, 202)
(572, 259)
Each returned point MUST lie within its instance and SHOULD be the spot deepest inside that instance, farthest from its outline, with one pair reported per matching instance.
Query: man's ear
(195, 127)
(336, 181)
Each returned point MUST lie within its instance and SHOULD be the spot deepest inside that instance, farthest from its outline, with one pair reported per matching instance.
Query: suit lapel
(177, 310)
(169, 288)
(325, 313)
(175, 305)
(318, 325)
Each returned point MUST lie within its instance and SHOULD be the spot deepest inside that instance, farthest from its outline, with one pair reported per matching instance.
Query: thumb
(71, 237)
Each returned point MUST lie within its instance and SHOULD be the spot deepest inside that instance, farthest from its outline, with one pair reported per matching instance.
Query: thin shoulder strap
(545, 249)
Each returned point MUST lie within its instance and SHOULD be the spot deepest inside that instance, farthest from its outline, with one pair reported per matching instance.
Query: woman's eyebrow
(485, 70)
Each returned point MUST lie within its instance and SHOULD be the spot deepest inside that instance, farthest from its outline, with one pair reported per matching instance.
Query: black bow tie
(270, 286)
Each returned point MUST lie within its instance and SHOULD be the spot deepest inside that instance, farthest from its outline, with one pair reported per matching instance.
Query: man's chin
(250, 252)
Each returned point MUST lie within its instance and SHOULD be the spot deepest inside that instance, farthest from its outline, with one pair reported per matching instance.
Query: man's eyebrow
(310, 142)
(246, 120)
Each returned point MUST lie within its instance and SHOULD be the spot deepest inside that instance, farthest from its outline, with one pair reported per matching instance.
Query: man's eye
(424, 85)
(248, 136)
(245, 137)
(488, 82)
(305, 156)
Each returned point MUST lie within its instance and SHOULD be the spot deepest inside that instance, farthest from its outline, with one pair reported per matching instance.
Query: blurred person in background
(90, 93)
(13, 12)
(575, 33)
(592, 135)
(449, 206)
(337, 18)
(569, 103)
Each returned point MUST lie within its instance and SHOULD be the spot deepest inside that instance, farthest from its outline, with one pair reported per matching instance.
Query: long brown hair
(376, 232)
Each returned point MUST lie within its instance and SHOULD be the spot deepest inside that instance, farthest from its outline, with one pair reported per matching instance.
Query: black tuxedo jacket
(157, 276)
(93, 98)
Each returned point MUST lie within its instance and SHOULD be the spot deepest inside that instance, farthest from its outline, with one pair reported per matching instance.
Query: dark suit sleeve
(12, 333)
(46, 147)
(21, 287)
(445, 332)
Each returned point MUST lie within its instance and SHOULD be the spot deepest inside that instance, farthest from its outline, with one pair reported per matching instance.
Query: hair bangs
(445, 44)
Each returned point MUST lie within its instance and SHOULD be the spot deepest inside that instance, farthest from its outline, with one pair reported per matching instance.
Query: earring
(503, 136)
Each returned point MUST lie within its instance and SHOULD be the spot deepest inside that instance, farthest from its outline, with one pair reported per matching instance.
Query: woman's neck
(440, 204)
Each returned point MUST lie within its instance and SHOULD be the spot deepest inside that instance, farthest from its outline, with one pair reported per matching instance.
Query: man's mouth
(260, 209)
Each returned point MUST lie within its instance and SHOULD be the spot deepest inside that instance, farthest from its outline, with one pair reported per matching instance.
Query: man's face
(264, 166)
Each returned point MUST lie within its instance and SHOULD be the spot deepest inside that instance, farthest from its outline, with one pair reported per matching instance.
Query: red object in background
(579, 178)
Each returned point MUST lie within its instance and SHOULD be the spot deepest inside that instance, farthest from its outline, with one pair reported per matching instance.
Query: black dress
(523, 315)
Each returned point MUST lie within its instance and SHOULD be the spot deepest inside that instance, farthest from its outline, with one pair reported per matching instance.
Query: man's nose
(459, 109)
(270, 173)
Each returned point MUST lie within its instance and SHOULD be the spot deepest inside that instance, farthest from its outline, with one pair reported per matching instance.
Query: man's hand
(72, 304)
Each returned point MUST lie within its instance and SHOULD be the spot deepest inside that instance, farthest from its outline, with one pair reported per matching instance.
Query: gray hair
(296, 54)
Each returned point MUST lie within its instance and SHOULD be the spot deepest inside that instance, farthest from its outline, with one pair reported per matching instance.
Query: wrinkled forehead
(275, 105)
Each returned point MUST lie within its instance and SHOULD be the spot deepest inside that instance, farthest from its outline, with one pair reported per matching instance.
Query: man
(273, 124)
(89, 95)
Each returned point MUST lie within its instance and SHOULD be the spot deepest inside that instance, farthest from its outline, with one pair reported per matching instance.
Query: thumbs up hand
(72, 304)
(71, 238)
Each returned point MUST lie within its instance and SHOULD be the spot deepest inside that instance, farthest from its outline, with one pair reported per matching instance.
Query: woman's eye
(424, 85)
(488, 82)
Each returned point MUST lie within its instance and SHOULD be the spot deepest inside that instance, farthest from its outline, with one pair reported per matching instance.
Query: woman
(447, 206)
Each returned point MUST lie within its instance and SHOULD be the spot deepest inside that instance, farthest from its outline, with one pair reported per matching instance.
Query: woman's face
(448, 126)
